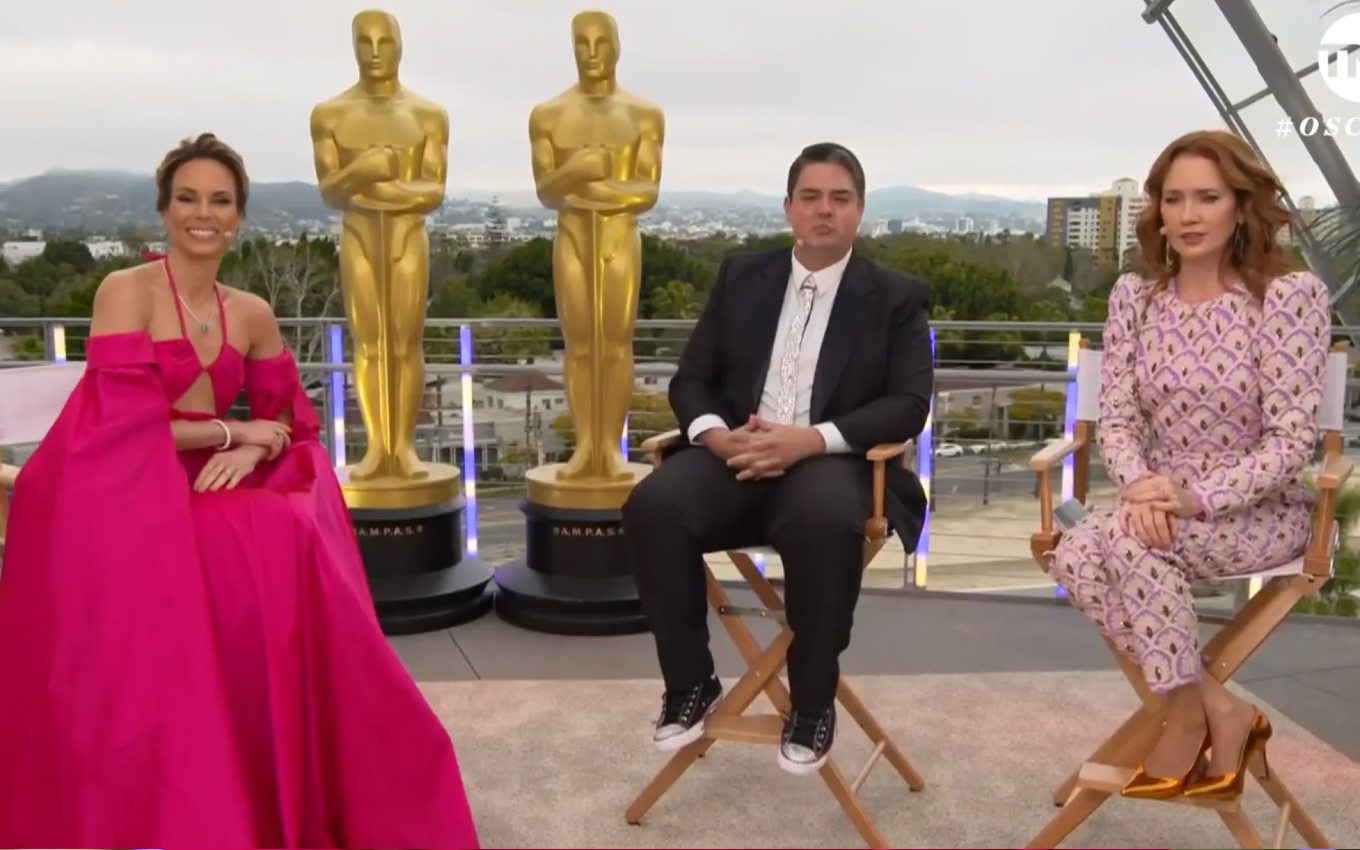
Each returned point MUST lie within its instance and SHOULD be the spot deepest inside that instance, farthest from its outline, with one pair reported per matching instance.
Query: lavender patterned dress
(1223, 398)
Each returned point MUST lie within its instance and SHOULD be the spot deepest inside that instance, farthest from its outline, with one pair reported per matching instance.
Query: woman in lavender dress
(1211, 381)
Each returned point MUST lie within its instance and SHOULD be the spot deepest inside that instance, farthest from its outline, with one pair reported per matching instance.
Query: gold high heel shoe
(1143, 787)
(1229, 786)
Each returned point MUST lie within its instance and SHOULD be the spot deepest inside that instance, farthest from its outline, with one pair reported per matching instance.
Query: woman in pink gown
(191, 657)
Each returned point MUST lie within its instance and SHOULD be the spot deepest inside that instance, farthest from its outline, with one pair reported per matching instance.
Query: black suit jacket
(875, 372)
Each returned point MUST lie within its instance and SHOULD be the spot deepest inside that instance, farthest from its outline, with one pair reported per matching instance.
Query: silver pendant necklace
(203, 326)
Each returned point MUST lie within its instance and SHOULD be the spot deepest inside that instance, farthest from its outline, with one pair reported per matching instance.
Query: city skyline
(1022, 109)
(1021, 194)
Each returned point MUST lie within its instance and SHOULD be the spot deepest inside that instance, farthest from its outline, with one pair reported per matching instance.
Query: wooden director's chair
(1104, 773)
(31, 398)
(727, 721)
(7, 475)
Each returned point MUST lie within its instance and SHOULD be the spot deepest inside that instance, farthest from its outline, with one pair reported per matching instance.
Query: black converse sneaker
(807, 740)
(682, 714)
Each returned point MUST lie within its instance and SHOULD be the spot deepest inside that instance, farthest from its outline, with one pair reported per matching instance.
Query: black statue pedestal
(417, 574)
(574, 578)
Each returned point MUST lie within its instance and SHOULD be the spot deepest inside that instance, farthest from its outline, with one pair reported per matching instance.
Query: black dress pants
(813, 516)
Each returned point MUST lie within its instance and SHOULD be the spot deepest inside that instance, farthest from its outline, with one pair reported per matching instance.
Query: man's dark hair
(828, 152)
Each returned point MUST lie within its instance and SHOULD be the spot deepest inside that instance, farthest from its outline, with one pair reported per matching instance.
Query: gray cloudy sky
(1015, 97)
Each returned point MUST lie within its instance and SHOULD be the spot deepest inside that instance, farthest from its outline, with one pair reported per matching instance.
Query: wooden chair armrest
(887, 451)
(1045, 540)
(876, 528)
(1054, 453)
(7, 475)
(1336, 469)
(1318, 560)
(661, 442)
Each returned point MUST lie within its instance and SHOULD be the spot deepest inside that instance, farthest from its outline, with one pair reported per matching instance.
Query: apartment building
(1105, 223)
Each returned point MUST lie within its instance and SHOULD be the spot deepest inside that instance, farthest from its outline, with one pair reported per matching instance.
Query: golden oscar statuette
(381, 156)
(597, 163)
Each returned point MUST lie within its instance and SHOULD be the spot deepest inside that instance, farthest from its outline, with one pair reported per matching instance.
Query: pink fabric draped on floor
(187, 670)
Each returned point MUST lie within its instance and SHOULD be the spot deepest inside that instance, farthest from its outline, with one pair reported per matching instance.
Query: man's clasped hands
(1151, 509)
(761, 448)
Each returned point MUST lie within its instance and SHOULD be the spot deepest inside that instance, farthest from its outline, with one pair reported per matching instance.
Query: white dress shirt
(828, 280)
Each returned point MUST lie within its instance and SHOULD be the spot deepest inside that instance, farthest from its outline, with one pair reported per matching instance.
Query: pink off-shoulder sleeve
(274, 389)
(1122, 425)
(1292, 343)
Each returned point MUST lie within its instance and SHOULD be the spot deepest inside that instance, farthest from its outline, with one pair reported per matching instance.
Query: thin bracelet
(226, 444)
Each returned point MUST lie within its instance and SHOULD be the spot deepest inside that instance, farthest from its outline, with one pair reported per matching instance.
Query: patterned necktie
(793, 346)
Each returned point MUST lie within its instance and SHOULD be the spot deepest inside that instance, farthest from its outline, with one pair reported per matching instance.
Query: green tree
(767, 242)
(456, 299)
(16, 302)
(1094, 308)
(523, 273)
(950, 345)
(71, 252)
(495, 226)
(41, 279)
(677, 299)
(971, 290)
(663, 262)
(509, 344)
(299, 280)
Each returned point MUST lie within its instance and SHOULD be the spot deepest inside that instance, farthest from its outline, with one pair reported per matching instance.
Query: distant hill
(892, 201)
(110, 201)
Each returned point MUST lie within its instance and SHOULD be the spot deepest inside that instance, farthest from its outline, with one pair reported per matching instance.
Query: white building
(20, 252)
(1132, 202)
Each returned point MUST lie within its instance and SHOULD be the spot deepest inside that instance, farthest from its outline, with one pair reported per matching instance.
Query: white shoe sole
(675, 742)
(798, 768)
(690, 735)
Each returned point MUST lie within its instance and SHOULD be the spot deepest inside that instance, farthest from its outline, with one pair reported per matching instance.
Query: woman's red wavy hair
(1259, 197)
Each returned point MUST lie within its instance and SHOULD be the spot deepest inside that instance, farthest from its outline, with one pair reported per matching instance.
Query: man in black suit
(801, 361)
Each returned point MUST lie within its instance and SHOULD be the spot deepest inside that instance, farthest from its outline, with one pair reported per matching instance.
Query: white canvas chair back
(31, 398)
(1331, 413)
(1088, 385)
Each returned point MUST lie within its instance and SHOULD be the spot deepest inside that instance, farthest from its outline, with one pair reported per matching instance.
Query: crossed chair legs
(729, 723)
(1106, 771)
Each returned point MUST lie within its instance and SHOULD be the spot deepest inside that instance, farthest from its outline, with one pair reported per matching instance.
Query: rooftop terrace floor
(994, 700)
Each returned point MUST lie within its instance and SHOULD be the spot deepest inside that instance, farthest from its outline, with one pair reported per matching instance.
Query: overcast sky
(1023, 98)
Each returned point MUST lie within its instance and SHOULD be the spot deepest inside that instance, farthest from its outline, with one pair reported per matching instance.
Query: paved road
(977, 479)
(500, 528)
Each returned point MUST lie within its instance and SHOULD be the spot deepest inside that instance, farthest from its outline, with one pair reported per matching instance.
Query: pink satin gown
(186, 670)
